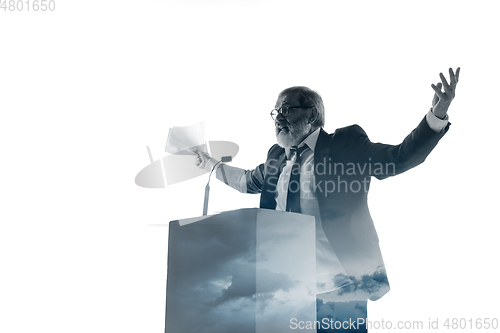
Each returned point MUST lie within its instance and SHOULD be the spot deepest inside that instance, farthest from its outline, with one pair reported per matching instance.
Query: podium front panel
(249, 270)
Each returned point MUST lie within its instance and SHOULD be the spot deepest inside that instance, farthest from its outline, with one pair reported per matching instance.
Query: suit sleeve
(389, 160)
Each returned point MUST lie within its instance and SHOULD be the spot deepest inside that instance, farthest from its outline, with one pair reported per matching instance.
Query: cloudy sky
(86, 88)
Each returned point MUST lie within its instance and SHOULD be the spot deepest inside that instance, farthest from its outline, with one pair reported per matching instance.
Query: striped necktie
(293, 195)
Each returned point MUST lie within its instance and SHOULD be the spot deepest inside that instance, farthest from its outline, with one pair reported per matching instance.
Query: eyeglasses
(285, 110)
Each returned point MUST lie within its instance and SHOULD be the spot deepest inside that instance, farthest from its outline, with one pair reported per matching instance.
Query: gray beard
(294, 135)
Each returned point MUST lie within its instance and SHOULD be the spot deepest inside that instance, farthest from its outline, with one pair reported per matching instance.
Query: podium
(247, 270)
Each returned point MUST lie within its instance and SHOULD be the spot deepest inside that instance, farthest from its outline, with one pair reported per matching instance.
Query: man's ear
(313, 116)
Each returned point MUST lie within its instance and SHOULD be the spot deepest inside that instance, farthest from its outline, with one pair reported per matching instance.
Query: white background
(84, 90)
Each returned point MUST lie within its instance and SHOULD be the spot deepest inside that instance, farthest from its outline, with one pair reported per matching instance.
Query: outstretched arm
(244, 181)
(420, 142)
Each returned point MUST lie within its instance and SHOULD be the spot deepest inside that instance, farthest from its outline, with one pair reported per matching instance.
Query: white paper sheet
(181, 140)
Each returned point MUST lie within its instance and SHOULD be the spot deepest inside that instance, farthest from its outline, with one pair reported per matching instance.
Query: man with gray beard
(328, 176)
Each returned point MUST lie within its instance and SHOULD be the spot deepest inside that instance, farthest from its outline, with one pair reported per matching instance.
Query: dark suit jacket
(345, 161)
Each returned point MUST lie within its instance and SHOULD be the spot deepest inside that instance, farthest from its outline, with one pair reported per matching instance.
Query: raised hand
(442, 99)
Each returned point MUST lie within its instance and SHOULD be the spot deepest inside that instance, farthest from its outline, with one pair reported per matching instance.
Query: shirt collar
(310, 141)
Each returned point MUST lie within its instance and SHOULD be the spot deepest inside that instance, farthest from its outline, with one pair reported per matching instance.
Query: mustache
(281, 122)
(280, 126)
(285, 123)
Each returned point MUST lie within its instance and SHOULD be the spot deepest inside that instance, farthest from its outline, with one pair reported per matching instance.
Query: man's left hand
(442, 100)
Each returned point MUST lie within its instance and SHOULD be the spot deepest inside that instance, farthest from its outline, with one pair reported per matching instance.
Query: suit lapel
(322, 159)
(267, 198)
(322, 150)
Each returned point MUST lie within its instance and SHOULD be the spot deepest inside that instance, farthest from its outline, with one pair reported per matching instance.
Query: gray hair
(308, 97)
